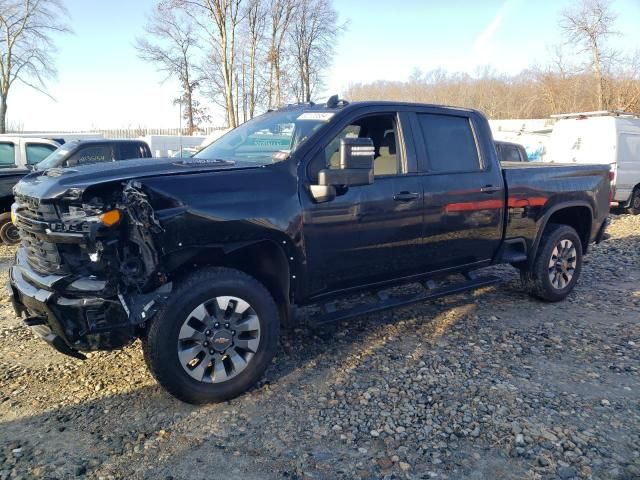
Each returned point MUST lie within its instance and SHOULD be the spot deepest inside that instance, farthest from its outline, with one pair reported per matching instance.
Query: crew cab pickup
(204, 258)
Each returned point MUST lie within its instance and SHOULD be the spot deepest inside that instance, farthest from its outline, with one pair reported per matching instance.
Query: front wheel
(9, 233)
(557, 266)
(214, 338)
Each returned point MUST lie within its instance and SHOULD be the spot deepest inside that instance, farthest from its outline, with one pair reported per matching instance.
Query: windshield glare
(258, 139)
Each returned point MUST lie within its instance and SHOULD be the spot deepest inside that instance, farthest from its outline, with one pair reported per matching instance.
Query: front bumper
(69, 320)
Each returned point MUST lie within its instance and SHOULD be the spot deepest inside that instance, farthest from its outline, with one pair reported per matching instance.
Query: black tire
(538, 281)
(634, 204)
(4, 218)
(161, 342)
(9, 233)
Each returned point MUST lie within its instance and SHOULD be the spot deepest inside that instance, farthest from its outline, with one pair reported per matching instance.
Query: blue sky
(102, 84)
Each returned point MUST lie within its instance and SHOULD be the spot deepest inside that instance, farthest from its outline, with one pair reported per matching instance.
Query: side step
(385, 301)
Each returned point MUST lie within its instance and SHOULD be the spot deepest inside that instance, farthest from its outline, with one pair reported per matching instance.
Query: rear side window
(36, 152)
(511, 154)
(91, 154)
(131, 150)
(7, 155)
(451, 145)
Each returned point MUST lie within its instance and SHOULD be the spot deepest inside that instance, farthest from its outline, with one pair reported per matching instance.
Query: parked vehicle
(17, 155)
(205, 258)
(602, 137)
(168, 145)
(511, 152)
(82, 152)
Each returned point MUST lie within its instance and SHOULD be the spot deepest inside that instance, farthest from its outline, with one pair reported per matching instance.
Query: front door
(368, 233)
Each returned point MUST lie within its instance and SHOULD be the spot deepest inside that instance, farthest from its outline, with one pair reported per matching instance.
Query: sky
(102, 84)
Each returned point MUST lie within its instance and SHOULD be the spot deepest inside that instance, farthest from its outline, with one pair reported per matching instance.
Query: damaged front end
(87, 274)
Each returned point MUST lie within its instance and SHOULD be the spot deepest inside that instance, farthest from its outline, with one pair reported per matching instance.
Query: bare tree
(313, 35)
(254, 36)
(172, 50)
(588, 25)
(219, 21)
(280, 15)
(27, 48)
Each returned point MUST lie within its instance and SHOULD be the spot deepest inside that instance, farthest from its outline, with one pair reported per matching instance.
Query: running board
(385, 301)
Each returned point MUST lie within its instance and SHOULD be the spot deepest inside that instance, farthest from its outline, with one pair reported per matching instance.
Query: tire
(225, 362)
(557, 266)
(9, 233)
(634, 204)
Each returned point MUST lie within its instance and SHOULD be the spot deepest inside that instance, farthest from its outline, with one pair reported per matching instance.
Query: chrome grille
(32, 220)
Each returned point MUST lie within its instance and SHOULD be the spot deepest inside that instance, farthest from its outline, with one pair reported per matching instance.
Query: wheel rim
(636, 200)
(218, 339)
(13, 235)
(562, 265)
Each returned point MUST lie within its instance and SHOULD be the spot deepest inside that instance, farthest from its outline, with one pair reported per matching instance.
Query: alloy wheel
(218, 339)
(562, 264)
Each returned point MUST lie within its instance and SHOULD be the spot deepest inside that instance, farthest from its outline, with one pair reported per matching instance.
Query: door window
(36, 152)
(450, 142)
(130, 150)
(7, 155)
(381, 129)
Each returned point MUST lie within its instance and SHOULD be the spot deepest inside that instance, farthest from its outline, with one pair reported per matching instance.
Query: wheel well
(577, 217)
(265, 261)
(5, 204)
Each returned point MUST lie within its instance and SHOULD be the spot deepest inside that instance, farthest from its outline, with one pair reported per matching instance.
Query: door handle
(405, 196)
(490, 189)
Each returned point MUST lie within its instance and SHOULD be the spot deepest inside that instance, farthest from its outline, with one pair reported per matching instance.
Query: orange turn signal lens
(110, 218)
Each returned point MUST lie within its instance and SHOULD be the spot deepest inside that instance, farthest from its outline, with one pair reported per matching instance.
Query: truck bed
(534, 189)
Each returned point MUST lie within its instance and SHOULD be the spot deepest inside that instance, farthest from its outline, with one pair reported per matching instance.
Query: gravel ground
(485, 385)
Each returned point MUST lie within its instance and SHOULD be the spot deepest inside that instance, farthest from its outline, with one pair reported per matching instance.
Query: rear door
(464, 195)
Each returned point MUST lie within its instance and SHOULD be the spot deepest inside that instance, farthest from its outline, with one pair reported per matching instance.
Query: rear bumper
(68, 321)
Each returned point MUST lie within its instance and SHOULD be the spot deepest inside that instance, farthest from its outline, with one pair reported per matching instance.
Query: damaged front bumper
(77, 314)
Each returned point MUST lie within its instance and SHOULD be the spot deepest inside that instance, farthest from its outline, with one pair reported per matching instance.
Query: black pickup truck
(204, 258)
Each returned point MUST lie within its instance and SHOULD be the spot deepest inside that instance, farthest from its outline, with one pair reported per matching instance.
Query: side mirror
(356, 168)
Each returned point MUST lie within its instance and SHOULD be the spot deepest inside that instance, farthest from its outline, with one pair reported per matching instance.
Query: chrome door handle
(490, 189)
(405, 196)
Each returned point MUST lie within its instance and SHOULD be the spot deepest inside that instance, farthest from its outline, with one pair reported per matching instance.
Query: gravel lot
(485, 385)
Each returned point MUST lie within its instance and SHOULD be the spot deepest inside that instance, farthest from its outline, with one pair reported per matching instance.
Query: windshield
(56, 157)
(259, 139)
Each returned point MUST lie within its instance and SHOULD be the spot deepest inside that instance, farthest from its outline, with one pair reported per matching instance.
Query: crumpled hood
(54, 182)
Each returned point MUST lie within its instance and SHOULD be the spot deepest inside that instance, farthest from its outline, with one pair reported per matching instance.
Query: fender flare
(545, 220)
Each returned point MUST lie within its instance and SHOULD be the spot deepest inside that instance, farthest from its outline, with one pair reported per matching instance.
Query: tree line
(245, 55)
(584, 74)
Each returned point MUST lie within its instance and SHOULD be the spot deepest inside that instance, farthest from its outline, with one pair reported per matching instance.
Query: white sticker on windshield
(318, 116)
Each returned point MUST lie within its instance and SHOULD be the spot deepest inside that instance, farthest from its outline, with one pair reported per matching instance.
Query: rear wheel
(214, 338)
(634, 205)
(557, 266)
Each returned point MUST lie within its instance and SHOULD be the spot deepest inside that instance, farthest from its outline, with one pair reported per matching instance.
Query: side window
(36, 152)
(451, 145)
(91, 154)
(381, 129)
(7, 155)
(130, 150)
(511, 154)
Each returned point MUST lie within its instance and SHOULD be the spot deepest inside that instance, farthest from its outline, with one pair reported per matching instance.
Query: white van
(602, 137)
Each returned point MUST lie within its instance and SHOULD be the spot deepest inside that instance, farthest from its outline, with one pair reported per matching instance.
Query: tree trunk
(3, 113)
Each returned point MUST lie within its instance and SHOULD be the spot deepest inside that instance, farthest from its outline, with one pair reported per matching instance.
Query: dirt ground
(492, 384)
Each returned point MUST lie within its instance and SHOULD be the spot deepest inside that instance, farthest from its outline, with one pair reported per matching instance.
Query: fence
(132, 132)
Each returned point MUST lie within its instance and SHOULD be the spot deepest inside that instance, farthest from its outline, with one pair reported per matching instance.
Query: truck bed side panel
(535, 191)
